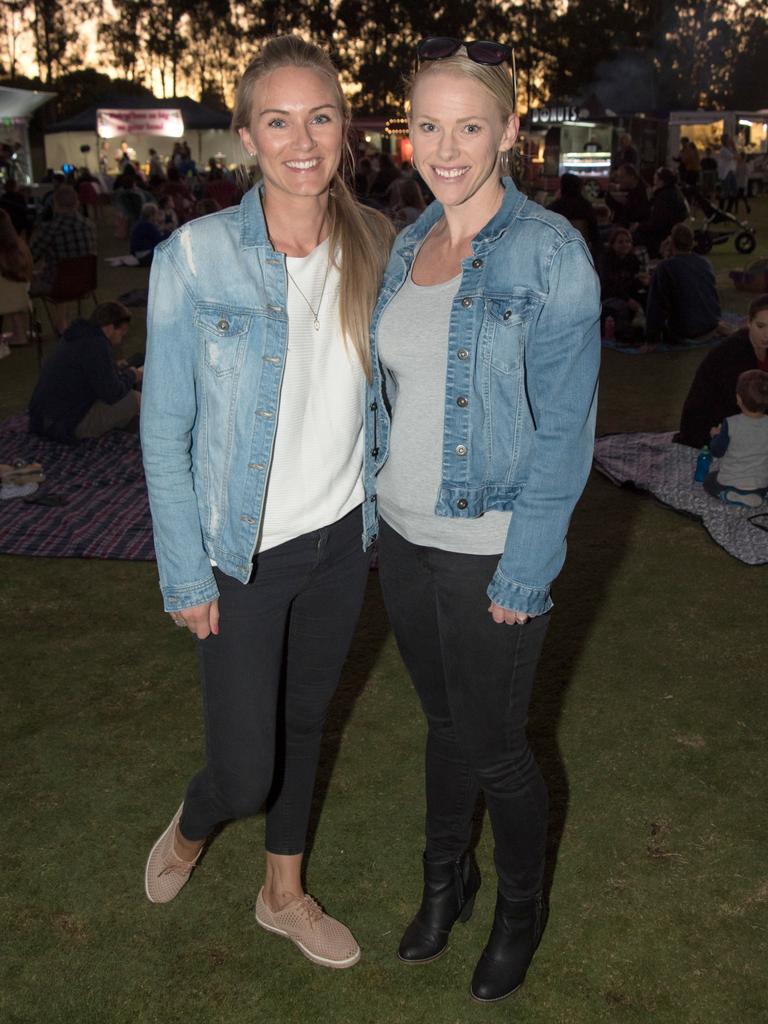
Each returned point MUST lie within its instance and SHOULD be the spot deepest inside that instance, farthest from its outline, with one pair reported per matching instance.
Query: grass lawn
(649, 719)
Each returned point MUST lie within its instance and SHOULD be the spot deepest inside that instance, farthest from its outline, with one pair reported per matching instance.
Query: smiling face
(296, 131)
(758, 334)
(457, 131)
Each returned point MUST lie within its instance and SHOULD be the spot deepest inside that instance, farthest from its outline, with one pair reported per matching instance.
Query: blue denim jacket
(520, 389)
(216, 348)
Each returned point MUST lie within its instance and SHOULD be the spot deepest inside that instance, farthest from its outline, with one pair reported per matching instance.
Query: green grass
(649, 720)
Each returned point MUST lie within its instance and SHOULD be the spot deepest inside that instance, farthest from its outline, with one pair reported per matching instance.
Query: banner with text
(111, 123)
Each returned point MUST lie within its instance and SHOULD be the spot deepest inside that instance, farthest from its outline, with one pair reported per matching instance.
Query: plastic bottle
(702, 464)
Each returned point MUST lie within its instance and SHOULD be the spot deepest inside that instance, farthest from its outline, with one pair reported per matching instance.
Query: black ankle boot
(517, 929)
(449, 896)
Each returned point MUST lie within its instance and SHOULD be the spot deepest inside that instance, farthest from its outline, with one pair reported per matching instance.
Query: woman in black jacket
(712, 395)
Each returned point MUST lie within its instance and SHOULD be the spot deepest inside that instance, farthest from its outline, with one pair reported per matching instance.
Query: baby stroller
(718, 225)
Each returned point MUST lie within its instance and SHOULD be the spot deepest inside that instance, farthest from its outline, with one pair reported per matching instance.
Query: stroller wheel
(703, 242)
(745, 242)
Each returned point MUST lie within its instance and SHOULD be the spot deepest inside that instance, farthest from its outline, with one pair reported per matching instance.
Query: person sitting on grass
(81, 391)
(741, 445)
(627, 197)
(69, 234)
(623, 283)
(712, 395)
(146, 234)
(576, 208)
(668, 208)
(168, 219)
(683, 303)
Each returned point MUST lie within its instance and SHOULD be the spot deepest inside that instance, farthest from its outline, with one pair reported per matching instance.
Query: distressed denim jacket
(216, 349)
(520, 388)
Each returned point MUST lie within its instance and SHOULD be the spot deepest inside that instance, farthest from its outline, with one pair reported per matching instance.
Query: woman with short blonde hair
(487, 332)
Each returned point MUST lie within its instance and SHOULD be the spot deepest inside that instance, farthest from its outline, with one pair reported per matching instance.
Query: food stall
(749, 129)
(583, 139)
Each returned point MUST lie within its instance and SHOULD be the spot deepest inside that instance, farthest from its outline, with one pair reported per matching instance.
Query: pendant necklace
(315, 312)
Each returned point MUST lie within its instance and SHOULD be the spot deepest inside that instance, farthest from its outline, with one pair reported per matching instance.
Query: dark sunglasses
(482, 51)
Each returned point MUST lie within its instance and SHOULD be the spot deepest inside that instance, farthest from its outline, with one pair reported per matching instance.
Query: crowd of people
(312, 383)
(655, 288)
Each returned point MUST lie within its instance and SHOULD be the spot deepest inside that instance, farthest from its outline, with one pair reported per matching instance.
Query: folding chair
(76, 277)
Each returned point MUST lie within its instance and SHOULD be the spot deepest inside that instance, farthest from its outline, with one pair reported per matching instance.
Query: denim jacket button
(466, 302)
(507, 314)
(461, 449)
(477, 264)
(373, 407)
(223, 324)
(462, 353)
(462, 503)
(462, 402)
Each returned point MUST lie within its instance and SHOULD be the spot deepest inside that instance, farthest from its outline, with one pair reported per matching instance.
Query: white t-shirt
(317, 463)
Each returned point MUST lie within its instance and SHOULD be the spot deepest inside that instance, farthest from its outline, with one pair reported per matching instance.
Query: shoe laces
(307, 907)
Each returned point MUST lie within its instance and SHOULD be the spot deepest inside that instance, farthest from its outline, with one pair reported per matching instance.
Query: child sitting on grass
(741, 444)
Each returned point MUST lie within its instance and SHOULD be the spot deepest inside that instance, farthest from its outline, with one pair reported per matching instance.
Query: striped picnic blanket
(653, 462)
(106, 514)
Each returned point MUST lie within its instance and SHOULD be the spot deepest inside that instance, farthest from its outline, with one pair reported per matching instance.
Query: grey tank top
(413, 348)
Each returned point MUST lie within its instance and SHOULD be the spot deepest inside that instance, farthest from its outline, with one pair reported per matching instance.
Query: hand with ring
(200, 619)
(507, 616)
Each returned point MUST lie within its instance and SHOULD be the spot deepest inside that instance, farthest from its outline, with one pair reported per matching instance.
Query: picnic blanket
(654, 463)
(642, 348)
(101, 481)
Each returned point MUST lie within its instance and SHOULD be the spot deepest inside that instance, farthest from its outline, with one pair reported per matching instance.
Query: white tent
(707, 127)
(16, 108)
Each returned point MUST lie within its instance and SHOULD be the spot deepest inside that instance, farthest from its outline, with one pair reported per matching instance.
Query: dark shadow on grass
(599, 536)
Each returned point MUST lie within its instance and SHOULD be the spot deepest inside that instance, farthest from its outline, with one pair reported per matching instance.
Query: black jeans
(474, 679)
(268, 678)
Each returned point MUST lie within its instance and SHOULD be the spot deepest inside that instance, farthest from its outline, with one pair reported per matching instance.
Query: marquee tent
(148, 123)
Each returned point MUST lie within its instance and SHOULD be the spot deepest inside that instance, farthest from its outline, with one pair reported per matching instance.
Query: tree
(55, 25)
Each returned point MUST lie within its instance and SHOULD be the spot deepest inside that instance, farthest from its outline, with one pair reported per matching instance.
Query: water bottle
(702, 464)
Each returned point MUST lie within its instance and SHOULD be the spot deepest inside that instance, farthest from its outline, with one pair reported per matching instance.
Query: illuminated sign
(555, 115)
(110, 123)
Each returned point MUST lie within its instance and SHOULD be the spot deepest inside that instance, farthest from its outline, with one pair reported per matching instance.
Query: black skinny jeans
(474, 678)
(268, 678)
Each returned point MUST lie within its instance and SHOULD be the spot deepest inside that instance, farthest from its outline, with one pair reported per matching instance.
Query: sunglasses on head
(481, 51)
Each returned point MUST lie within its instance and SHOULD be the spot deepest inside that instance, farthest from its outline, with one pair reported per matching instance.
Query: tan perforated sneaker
(166, 874)
(321, 938)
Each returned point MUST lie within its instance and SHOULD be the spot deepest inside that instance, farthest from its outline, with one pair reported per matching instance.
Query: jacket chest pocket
(503, 332)
(223, 333)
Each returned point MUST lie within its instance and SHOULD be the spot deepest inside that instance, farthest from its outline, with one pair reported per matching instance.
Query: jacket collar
(510, 207)
(253, 226)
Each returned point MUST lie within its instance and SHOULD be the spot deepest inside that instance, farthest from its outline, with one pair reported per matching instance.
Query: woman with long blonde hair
(252, 431)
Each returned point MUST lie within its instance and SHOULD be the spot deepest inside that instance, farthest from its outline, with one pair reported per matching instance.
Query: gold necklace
(315, 312)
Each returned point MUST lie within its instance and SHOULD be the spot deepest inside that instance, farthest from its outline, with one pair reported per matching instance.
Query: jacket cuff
(517, 596)
(175, 599)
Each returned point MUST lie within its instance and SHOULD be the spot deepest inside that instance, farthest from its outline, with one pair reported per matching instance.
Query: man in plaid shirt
(68, 234)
